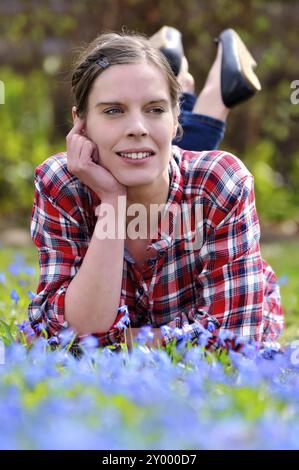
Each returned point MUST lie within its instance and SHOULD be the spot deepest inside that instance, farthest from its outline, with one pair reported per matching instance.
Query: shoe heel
(169, 41)
(247, 63)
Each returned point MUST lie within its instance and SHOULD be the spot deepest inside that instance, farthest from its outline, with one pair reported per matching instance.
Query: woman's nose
(137, 127)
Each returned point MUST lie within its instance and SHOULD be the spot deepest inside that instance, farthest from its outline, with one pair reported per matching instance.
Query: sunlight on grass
(282, 255)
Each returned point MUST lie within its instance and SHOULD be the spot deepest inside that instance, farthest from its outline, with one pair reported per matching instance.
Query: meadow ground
(283, 255)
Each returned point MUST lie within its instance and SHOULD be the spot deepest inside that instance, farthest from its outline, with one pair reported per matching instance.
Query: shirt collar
(164, 240)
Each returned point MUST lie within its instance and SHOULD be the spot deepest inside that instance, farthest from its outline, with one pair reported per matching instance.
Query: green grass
(282, 255)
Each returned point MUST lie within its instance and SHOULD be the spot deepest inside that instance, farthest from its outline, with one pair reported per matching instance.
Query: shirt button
(141, 290)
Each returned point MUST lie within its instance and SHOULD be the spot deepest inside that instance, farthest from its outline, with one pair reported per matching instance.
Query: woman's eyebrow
(118, 103)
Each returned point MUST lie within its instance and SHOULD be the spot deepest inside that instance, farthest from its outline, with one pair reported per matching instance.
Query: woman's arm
(62, 228)
(93, 296)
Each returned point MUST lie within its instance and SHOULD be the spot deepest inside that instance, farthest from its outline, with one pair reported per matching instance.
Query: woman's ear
(75, 117)
(74, 113)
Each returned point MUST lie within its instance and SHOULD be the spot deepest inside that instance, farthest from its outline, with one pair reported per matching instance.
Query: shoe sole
(247, 62)
(168, 40)
(161, 40)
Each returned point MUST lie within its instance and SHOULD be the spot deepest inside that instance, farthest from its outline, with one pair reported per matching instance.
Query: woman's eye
(157, 110)
(112, 111)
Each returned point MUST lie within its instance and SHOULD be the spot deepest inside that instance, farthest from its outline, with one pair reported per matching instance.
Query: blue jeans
(200, 132)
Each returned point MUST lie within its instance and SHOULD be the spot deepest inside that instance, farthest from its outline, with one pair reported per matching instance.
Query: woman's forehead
(120, 82)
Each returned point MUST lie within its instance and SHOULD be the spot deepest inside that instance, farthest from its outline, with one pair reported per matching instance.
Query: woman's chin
(131, 180)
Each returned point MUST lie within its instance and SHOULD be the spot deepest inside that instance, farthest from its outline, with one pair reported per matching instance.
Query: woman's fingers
(78, 146)
(74, 140)
(86, 152)
(95, 154)
(74, 146)
(76, 129)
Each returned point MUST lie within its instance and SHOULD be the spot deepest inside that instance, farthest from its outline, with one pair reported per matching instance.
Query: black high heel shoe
(169, 41)
(238, 80)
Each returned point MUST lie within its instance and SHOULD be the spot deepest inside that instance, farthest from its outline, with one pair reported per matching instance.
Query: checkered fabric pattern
(221, 274)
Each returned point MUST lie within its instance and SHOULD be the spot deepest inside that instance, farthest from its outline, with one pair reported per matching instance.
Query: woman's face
(131, 120)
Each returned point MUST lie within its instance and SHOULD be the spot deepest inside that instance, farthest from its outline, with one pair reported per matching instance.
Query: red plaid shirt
(222, 275)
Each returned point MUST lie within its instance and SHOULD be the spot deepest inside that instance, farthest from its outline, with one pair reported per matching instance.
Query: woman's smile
(136, 156)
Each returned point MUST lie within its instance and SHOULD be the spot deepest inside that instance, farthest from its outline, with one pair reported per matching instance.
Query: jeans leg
(200, 132)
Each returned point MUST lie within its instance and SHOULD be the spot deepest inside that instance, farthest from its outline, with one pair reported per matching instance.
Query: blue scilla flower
(225, 335)
(89, 343)
(201, 333)
(25, 327)
(29, 270)
(31, 294)
(53, 341)
(66, 336)
(211, 326)
(179, 334)
(15, 353)
(14, 269)
(283, 280)
(144, 334)
(40, 327)
(267, 353)
(2, 278)
(14, 296)
(269, 349)
(22, 326)
(165, 330)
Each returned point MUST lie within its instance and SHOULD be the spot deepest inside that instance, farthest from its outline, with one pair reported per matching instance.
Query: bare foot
(185, 78)
(209, 101)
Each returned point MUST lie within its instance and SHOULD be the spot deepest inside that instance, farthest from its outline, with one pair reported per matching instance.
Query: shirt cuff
(115, 335)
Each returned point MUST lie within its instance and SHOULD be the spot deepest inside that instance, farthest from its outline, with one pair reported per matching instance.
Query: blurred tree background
(38, 42)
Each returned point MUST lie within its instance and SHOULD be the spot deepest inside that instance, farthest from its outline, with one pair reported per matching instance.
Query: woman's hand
(83, 161)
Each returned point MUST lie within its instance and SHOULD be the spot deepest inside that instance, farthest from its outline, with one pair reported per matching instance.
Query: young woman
(94, 256)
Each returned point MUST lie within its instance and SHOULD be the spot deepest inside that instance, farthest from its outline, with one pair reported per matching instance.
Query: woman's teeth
(136, 155)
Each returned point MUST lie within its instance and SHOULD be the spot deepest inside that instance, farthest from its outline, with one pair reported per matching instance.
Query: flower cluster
(181, 396)
(145, 400)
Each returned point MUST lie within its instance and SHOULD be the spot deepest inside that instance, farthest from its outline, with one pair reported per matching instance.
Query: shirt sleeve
(231, 280)
(61, 234)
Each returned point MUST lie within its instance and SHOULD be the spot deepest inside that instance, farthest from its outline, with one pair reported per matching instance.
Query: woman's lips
(135, 161)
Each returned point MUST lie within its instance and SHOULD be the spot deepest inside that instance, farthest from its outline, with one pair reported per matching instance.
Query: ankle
(187, 83)
(209, 103)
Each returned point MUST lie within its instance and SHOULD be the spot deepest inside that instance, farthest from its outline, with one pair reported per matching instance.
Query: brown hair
(115, 49)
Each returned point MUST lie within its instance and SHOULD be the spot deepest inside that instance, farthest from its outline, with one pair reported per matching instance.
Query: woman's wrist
(112, 198)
